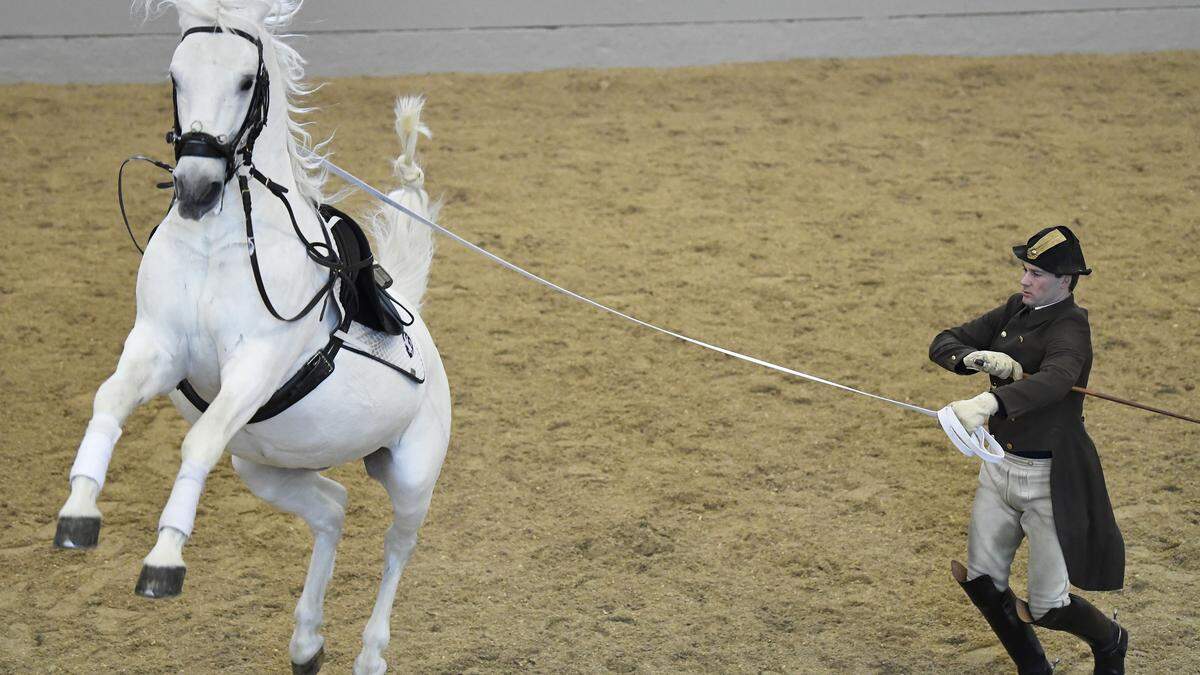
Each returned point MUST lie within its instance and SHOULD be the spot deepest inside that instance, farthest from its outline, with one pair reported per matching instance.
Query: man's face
(1039, 287)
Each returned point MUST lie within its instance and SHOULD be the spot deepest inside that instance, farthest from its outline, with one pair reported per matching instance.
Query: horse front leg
(244, 388)
(146, 369)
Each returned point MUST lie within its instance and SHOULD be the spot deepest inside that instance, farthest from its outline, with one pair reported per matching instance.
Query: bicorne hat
(1054, 249)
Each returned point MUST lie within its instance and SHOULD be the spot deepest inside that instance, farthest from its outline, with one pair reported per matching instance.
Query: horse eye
(247, 82)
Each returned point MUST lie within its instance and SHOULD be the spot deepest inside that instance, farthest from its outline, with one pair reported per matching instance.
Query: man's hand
(974, 412)
(999, 364)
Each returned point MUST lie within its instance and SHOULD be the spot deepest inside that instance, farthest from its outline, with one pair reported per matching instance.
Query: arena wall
(68, 41)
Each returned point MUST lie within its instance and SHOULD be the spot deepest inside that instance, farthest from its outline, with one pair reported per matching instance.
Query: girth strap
(310, 375)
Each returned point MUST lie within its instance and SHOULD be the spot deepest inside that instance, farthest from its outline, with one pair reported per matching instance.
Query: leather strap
(330, 261)
(308, 378)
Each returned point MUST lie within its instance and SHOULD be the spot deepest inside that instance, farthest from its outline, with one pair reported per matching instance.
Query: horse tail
(404, 247)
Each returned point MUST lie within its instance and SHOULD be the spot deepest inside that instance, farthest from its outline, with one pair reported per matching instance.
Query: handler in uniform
(1049, 487)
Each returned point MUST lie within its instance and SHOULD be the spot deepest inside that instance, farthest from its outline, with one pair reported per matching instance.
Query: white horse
(200, 318)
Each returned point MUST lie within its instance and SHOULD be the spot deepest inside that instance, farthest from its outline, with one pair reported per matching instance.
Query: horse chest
(195, 288)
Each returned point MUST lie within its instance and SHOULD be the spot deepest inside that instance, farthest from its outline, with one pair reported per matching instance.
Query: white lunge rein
(980, 443)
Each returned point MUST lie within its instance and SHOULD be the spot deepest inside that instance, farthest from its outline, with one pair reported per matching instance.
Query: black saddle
(363, 298)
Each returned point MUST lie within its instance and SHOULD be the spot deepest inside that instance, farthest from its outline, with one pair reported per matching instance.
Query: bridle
(198, 143)
(238, 154)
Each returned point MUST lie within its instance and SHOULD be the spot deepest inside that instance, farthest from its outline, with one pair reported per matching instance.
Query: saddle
(363, 299)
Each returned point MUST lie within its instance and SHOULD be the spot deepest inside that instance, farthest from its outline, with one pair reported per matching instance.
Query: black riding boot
(998, 607)
(1106, 637)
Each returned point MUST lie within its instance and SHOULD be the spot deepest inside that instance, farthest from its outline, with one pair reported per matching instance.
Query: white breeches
(1013, 502)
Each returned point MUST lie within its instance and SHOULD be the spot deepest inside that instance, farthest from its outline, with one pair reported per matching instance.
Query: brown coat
(1054, 346)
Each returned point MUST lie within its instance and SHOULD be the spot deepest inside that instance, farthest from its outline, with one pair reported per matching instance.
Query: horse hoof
(160, 582)
(313, 665)
(77, 532)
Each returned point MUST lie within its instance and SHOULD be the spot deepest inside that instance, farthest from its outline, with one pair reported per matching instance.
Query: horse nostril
(195, 202)
(210, 195)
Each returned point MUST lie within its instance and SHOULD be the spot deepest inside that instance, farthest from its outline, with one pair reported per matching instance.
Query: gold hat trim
(1048, 241)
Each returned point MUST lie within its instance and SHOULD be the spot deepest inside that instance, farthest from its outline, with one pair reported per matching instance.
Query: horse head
(221, 93)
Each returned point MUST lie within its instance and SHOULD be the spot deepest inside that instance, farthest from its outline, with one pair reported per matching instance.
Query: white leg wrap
(180, 511)
(96, 448)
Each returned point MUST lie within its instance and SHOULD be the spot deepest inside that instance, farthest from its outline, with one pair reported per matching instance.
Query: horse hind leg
(321, 502)
(408, 472)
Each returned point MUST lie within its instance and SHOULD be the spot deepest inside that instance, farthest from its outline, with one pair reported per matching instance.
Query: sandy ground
(616, 500)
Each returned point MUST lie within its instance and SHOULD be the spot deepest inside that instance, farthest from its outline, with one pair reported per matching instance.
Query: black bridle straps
(218, 29)
(323, 254)
(121, 193)
(198, 143)
(331, 261)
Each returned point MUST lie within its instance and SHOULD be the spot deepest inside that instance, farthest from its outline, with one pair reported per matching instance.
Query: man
(1050, 487)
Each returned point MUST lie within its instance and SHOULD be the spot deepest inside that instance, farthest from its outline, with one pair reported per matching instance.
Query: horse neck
(271, 155)
(272, 158)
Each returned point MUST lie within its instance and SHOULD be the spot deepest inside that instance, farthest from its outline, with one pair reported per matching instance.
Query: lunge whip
(980, 362)
(1134, 404)
(1115, 399)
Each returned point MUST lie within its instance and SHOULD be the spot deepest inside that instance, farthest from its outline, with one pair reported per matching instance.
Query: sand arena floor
(612, 499)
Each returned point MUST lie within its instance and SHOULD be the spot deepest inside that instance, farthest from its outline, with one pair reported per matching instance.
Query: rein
(121, 193)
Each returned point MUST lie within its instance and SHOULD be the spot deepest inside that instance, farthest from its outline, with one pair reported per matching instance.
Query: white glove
(999, 364)
(974, 412)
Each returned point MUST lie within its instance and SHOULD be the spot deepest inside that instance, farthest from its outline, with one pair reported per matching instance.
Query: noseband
(198, 143)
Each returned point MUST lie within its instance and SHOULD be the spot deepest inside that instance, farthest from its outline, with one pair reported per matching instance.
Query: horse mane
(306, 157)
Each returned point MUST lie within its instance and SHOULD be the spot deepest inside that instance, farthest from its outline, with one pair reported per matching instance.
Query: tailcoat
(1041, 413)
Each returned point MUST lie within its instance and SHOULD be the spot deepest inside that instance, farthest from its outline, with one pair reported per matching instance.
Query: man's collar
(1051, 304)
(1036, 317)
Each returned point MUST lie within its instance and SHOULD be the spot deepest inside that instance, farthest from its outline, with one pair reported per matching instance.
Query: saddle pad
(397, 352)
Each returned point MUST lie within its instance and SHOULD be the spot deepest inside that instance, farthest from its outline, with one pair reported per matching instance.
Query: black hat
(1054, 249)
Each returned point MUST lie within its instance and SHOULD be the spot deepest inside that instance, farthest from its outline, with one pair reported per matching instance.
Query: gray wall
(98, 40)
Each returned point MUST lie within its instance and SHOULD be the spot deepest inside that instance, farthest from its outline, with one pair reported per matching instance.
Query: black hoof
(160, 582)
(313, 665)
(77, 532)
